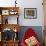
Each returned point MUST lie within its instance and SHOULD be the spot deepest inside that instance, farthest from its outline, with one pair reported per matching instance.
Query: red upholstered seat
(29, 33)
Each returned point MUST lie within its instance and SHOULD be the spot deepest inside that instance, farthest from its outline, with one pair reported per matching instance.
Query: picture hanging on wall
(30, 13)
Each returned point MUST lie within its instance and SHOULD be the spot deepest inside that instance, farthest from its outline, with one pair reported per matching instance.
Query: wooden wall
(44, 6)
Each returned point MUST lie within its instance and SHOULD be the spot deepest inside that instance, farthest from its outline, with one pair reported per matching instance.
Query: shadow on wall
(37, 29)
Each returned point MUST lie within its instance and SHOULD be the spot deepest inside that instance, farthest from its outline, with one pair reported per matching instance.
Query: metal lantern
(15, 3)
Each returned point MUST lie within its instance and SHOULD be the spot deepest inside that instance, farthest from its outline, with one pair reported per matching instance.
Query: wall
(31, 4)
(27, 4)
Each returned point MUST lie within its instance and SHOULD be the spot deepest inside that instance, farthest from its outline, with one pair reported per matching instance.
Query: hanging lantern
(15, 3)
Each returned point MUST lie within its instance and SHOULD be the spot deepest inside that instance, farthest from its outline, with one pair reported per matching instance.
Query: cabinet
(9, 27)
(9, 43)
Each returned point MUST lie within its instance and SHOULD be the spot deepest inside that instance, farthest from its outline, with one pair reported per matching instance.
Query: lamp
(15, 3)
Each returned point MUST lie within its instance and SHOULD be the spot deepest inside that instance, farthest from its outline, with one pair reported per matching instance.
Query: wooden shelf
(11, 26)
(4, 13)
(8, 11)
(9, 43)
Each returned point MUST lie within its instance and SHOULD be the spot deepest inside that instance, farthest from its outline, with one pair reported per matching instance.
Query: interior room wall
(26, 4)
(31, 4)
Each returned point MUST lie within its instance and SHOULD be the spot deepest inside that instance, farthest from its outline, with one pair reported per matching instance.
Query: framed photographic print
(5, 12)
(30, 13)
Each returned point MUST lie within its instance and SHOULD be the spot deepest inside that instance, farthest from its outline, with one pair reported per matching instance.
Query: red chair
(29, 33)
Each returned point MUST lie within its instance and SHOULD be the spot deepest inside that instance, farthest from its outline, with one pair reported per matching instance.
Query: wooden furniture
(11, 26)
(44, 8)
(45, 36)
(10, 43)
(5, 13)
(0, 43)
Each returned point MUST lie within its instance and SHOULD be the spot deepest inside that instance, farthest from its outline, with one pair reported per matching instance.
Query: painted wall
(26, 4)
(31, 4)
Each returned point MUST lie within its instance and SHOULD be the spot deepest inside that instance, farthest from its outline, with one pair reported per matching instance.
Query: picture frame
(5, 12)
(30, 13)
